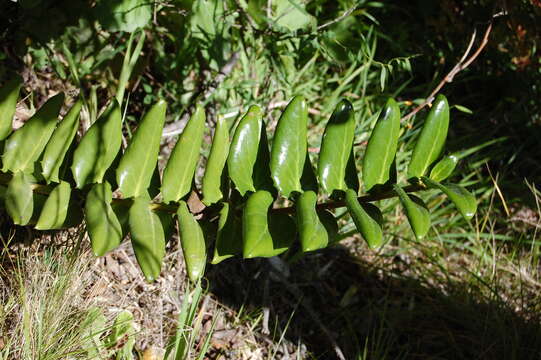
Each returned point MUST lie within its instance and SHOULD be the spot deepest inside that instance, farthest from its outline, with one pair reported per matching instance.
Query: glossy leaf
(313, 234)
(336, 148)
(289, 147)
(261, 174)
(180, 169)
(444, 168)
(102, 223)
(331, 225)
(215, 164)
(9, 94)
(366, 224)
(464, 201)
(308, 178)
(257, 240)
(19, 198)
(24, 147)
(59, 144)
(416, 212)
(98, 147)
(136, 168)
(432, 139)
(381, 147)
(55, 210)
(244, 149)
(192, 242)
(352, 175)
(147, 238)
(122, 212)
(228, 238)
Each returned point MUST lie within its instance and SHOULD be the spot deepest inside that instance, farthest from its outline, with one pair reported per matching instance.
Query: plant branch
(464, 62)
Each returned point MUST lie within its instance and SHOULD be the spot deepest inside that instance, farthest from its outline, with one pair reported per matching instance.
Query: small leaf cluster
(55, 181)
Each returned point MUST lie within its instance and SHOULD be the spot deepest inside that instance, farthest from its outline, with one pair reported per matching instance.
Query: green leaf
(59, 144)
(463, 109)
(147, 238)
(136, 168)
(122, 212)
(432, 139)
(9, 94)
(122, 335)
(24, 146)
(366, 224)
(102, 223)
(261, 174)
(55, 210)
(464, 201)
(228, 238)
(215, 164)
(331, 225)
(416, 211)
(352, 175)
(308, 178)
(313, 234)
(290, 14)
(192, 241)
(336, 148)
(123, 15)
(19, 198)
(180, 169)
(98, 147)
(444, 168)
(244, 149)
(381, 147)
(289, 147)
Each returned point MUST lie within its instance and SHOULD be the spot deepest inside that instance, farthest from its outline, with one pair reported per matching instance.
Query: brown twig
(461, 65)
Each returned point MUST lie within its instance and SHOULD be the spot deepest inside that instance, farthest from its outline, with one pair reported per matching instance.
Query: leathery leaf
(192, 242)
(264, 235)
(147, 237)
(55, 210)
(313, 234)
(289, 147)
(19, 198)
(416, 212)
(432, 139)
(137, 164)
(336, 148)
(464, 201)
(215, 164)
(367, 225)
(381, 147)
(444, 168)
(98, 147)
(9, 94)
(180, 169)
(102, 223)
(60, 141)
(24, 147)
(228, 240)
(244, 148)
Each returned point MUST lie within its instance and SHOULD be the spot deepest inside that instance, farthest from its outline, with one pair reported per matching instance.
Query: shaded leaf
(24, 147)
(147, 238)
(416, 212)
(9, 94)
(59, 144)
(336, 148)
(313, 234)
(215, 165)
(432, 139)
(180, 169)
(19, 198)
(55, 210)
(289, 147)
(308, 178)
(98, 147)
(228, 238)
(123, 15)
(366, 224)
(192, 242)
(136, 168)
(102, 223)
(381, 147)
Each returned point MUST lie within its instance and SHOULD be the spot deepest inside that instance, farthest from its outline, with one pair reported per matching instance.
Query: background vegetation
(466, 291)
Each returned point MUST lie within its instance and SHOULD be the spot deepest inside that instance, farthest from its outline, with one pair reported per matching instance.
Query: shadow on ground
(335, 298)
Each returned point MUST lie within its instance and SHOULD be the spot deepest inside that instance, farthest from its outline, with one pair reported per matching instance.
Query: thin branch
(176, 127)
(338, 19)
(461, 65)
